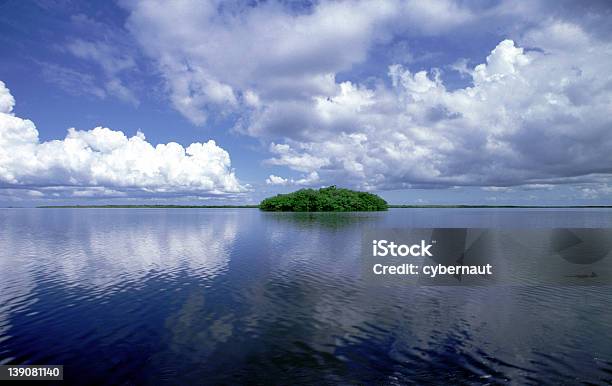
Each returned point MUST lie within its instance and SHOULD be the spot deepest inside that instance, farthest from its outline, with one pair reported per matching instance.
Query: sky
(228, 102)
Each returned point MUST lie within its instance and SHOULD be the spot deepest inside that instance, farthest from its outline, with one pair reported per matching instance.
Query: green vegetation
(330, 199)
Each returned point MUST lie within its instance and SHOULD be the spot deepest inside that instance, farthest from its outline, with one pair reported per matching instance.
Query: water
(201, 296)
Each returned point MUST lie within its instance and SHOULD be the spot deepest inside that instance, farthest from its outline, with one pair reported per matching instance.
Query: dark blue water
(207, 296)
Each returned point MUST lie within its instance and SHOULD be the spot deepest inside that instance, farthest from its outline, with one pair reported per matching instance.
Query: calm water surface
(200, 296)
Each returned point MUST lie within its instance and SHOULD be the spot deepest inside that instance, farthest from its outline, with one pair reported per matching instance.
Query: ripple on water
(236, 296)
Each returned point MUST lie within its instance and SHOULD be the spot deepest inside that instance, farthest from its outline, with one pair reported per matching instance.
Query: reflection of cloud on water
(292, 290)
(16, 282)
(299, 278)
(162, 244)
(110, 247)
(310, 288)
(104, 252)
(183, 326)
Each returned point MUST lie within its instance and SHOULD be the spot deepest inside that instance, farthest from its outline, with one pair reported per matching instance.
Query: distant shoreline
(257, 206)
(149, 206)
(501, 206)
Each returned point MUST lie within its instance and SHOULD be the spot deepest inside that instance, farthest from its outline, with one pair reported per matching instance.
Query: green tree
(329, 199)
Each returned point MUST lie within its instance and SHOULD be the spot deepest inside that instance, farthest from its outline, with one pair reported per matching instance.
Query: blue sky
(440, 102)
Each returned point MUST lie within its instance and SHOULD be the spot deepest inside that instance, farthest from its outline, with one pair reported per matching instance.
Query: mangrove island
(330, 199)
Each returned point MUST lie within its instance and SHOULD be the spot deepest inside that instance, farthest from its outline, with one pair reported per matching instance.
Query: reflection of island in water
(333, 220)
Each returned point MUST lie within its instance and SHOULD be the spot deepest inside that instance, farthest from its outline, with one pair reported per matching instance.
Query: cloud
(72, 81)
(95, 191)
(529, 117)
(308, 180)
(535, 111)
(108, 48)
(107, 162)
(595, 191)
(276, 180)
(500, 189)
(216, 55)
(112, 62)
(115, 87)
(7, 102)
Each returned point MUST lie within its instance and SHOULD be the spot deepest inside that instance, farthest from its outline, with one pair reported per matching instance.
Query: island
(329, 199)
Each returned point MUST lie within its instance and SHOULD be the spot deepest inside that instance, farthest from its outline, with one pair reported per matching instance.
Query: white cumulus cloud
(529, 117)
(535, 113)
(308, 81)
(307, 180)
(276, 180)
(105, 158)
